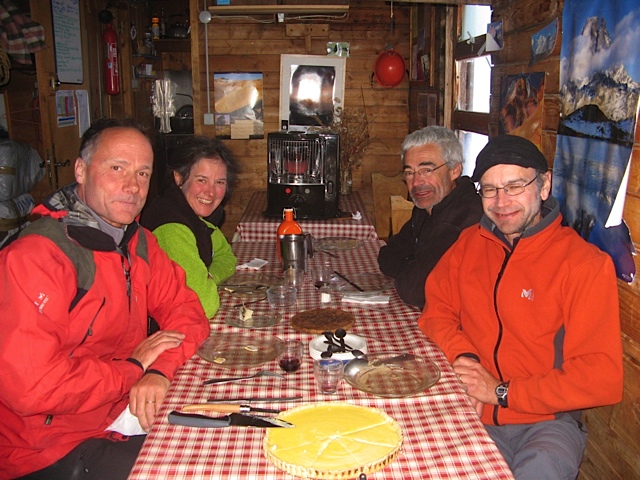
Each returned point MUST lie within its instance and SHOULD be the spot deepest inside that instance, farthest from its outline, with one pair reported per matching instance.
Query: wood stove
(303, 173)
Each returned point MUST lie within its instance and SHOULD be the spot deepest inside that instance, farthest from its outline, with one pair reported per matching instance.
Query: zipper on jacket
(126, 268)
(496, 408)
(87, 334)
(89, 331)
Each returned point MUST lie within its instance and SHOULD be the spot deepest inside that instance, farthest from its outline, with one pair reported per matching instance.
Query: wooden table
(255, 227)
(443, 436)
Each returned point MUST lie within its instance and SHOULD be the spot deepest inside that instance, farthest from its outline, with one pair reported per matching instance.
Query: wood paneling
(613, 445)
(248, 46)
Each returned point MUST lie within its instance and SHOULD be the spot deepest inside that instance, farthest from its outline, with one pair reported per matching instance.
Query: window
(473, 83)
(472, 143)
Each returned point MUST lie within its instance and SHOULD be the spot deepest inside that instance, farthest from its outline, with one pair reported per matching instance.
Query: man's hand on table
(480, 384)
(148, 393)
(146, 396)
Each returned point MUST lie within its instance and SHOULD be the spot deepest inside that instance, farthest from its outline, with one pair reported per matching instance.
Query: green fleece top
(180, 244)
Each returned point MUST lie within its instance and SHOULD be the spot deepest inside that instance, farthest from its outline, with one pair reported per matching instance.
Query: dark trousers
(94, 459)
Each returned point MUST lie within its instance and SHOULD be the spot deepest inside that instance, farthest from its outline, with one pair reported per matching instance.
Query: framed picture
(238, 105)
(311, 87)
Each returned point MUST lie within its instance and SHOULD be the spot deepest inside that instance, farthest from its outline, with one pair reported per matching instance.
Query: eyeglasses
(512, 190)
(423, 172)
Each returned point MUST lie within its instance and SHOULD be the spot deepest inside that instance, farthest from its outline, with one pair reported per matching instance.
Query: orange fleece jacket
(543, 315)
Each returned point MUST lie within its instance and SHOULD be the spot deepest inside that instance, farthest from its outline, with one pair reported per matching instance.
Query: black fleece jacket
(413, 252)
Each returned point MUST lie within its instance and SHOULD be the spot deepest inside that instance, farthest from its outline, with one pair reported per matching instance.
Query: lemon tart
(333, 441)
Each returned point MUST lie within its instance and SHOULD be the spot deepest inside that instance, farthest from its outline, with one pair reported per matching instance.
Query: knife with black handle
(234, 419)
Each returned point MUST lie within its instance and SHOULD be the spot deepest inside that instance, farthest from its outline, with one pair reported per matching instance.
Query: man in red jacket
(527, 312)
(81, 380)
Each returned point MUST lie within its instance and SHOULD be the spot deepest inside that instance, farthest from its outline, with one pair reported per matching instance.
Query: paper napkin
(255, 264)
(366, 299)
(126, 424)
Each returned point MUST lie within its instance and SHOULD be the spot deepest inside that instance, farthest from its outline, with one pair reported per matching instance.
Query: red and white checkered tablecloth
(255, 227)
(443, 436)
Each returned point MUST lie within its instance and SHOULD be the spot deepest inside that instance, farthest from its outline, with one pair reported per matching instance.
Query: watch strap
(502, 392)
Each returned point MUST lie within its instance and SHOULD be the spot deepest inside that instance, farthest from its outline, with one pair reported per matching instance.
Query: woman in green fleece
(201, 172)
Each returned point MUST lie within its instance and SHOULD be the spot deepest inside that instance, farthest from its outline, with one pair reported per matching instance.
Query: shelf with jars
(145, 66)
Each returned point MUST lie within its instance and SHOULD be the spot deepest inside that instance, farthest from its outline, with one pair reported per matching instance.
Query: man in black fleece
(445, 204)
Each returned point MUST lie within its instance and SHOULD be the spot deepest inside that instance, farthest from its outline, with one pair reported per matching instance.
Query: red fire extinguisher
(111, 76)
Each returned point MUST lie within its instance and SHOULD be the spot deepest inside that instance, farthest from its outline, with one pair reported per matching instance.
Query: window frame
(470, 121)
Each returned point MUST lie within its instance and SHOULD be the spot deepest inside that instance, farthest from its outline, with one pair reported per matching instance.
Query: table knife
(255, 399)
(234, 419)
(354, 285)
(226, 408)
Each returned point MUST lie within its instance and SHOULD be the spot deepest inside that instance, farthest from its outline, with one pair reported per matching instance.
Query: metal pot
(183, 121)
(178, 30)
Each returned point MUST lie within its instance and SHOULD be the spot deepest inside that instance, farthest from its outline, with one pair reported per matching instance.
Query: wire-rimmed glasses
(422, 172)
(512, 189)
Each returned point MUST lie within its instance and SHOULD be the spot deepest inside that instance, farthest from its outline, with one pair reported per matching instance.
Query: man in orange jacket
(527, 312)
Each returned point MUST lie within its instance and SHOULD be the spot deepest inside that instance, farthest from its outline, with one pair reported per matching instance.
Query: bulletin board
(67, 40)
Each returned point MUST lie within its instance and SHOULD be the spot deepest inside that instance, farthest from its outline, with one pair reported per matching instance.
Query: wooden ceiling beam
(270, 9)
(448, 2)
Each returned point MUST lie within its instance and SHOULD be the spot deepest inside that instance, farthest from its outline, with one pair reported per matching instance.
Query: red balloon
(389, 68)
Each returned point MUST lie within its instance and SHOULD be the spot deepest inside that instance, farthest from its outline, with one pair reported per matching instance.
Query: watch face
(501, 392)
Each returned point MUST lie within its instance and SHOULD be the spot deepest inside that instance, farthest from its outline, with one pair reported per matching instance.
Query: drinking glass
(291, 356)
(329, 374)
(321, 274)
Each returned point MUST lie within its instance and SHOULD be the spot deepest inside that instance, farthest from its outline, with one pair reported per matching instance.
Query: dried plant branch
(352, 125)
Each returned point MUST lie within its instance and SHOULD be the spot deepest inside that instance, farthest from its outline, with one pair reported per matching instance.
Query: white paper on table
(369, 299)
(255, 264)
(356, 216)
(126, 424)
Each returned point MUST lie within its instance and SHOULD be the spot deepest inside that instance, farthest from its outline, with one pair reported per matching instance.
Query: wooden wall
(246, 46)
(613, 446)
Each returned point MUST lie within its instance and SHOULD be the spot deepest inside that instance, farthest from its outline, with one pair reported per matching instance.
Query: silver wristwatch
(502, 390)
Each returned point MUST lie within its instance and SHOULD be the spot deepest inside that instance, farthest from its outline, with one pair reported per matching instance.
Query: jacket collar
(80, 223)
(550, 214)
(464, 188)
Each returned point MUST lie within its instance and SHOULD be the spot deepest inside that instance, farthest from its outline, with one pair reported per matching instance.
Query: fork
(261, 373)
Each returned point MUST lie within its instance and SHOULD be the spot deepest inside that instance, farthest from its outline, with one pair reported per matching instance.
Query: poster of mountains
(599, 90)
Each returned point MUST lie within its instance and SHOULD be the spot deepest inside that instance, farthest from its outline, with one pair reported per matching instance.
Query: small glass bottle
(163, 25)
(288, 227)
(325, 294)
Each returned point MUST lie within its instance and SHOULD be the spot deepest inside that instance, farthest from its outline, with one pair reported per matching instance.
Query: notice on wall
(66, 108)
(67, 40)
(82, 97)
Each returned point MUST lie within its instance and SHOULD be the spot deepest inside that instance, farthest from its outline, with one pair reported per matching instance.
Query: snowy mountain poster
(599, 90)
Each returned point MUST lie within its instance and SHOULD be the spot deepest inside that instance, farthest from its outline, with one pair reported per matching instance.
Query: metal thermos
(288, 225)
(295, 248)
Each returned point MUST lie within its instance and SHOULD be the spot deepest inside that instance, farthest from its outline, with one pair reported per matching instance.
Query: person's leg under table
(94, 459)
(545, 450)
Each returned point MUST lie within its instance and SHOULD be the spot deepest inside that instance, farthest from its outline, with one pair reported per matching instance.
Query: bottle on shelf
(163, 24)
(155, 27)
(289, 226)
